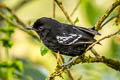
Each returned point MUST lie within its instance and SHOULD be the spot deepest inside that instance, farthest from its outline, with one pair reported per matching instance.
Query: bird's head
(42, 24)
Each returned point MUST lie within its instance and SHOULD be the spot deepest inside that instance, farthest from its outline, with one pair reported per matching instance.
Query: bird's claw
(68, 68)
(65, 64)
(69, 62)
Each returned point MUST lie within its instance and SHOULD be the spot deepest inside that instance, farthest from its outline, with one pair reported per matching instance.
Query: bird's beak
(30, 28)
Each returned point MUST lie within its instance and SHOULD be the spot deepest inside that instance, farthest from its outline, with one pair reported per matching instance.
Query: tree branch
(95, 53)
(64, 11)
(54, 8)
(21, 4)
(108, 21)
(19, 21)
(108, 36)
(18, 26)
(115, 64)
(107, 13)
(14, 15)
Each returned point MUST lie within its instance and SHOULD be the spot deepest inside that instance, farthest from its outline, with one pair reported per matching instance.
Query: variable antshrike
(66, 39)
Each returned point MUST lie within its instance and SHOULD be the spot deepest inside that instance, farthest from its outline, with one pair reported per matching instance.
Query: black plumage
(64, 38)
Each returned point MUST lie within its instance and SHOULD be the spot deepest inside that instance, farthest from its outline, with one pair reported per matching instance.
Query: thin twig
(95, 52)
(18, 26)
(117, 21)
(108, 21)
(108, 36)
(107, 13)
(21, 4)
(60, 59)
(14, 15)
(54, 9)
(76, 7)
(64, 11)
(71, 76)
(17, 19)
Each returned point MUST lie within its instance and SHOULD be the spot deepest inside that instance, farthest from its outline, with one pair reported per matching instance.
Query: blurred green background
(26, 49)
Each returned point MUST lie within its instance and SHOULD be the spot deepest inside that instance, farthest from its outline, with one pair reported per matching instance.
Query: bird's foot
(59, 58)
(67, 65)
(69, 62)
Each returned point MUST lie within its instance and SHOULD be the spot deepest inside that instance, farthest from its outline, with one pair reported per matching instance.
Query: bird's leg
(70, 61)
(59, 59)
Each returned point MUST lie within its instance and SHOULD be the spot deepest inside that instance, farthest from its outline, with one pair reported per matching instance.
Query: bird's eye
(40, 28)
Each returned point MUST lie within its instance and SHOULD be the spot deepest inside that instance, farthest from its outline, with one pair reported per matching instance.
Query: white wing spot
(75, 28)
(62, 39)
(64, 33)
(79, 36)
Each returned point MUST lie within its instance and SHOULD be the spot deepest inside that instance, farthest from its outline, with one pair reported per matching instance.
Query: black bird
(66, 39)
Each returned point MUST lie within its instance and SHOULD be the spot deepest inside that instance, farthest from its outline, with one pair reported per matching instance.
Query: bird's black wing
(75, 36)
(89, 30)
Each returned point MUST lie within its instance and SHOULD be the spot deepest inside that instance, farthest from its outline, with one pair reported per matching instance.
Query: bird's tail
(92, 28)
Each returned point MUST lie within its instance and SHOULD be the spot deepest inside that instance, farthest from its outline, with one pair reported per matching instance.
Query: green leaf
(43, 50)
(6, 30)
(18, 65)
(7, 43)
(76, 20)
